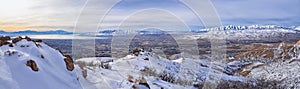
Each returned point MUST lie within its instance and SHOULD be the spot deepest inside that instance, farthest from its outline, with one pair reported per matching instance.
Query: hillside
(31, 64)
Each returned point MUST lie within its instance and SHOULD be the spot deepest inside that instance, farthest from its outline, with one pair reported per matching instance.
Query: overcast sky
(18, 15)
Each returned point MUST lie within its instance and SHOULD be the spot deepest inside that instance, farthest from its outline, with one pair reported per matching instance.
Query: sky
(92, 15)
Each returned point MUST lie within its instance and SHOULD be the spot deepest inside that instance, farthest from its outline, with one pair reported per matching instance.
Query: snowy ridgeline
(29, 64)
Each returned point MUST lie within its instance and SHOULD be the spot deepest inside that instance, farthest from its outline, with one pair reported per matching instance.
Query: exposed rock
(84, 73)
(281, 51)
(38, 40)
(69, 62)
(244, 73)
(3, 43)
(42, 56)
(245, 70)
(142, 84)
(9, 53)
(17, 39)
(136, 52)
(143, 81)
(130, 79)
(32, 65)
(27, 38)
(146, 59)
(298, 43)
(11, 45)
(4, 38)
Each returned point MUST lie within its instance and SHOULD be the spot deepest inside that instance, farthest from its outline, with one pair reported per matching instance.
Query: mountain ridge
(33, 32)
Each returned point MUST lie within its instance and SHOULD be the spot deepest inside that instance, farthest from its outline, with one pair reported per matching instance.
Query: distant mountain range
(31, 32)
(251, 27)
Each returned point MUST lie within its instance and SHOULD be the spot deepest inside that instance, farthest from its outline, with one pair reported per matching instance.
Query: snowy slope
(51, 74)
(281, 71)
(158, 72)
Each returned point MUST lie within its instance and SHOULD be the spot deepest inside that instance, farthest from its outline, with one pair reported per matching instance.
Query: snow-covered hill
(280, 69)
(149, 70)
(31, 64)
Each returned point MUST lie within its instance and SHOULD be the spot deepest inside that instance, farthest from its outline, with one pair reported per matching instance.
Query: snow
(52, 73)
(95, 60)
(252, 32)
(285, 73)
(181, 72)
(158, 72)
(6, 79)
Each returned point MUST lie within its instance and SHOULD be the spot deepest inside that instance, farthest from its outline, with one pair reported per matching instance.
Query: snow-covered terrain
(281, 71)
(27, 64)
(253, 32)
(149, 70)
(154, 71)
(31, 64)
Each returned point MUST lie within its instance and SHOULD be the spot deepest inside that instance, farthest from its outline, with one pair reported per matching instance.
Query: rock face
(32, 65)
(69, 62)
(17, 39)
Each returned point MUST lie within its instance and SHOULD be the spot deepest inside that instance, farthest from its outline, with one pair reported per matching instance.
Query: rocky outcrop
(32, 65)
(136, 51)
(4, 43)
(27, 38)
(17, 39)
(4, 38)
(69, 62)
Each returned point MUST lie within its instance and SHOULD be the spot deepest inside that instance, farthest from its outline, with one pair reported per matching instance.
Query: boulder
(27, 38)
(136, 52)
(69, 62)
(32, 65)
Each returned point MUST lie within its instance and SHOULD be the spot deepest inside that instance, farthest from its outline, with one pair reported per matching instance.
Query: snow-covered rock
(26, 64)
